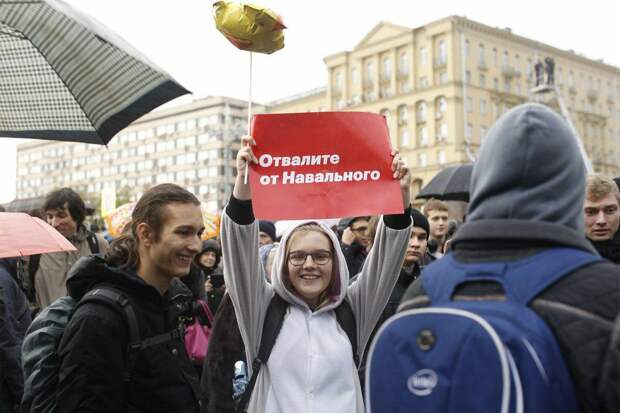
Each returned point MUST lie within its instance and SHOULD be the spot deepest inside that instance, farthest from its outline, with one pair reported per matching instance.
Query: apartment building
(192, 144)
(442, 85)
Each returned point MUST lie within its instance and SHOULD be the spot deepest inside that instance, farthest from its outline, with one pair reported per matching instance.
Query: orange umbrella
(121, 216)
(22, 234)
(117, 219)
(212, 224)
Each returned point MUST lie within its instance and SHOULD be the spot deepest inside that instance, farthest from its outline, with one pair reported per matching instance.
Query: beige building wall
(418, 79)
(193, 145)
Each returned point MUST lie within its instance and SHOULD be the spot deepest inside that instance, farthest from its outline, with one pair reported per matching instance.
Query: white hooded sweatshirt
(311, 368)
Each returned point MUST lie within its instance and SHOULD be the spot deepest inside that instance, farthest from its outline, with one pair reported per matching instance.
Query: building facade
(441, 87)
(193, 145)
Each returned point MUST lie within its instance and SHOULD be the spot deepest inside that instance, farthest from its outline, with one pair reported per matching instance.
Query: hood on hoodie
(529, 169)
(339, 265)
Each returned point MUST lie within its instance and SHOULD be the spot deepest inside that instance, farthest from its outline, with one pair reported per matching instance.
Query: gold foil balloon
(249, 27)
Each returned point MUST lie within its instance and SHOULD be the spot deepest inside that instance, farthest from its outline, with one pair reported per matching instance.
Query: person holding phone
(208, 260)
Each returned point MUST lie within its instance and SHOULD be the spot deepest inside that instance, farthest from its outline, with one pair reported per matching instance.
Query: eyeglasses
(319, 258)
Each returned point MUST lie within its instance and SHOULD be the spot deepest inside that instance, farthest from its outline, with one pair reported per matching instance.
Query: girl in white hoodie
(311, 367)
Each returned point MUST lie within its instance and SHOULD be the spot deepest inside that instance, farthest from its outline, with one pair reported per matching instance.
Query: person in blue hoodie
(14, 320)
(527, 193)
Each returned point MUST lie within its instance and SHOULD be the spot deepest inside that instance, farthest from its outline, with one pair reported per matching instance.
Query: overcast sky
(180, 37)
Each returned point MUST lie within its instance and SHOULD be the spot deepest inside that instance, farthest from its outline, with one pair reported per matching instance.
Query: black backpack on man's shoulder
(39, 350)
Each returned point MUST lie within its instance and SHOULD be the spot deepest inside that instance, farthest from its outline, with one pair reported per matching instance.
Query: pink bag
(197, 336)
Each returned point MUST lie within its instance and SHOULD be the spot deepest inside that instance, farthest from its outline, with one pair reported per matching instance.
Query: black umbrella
(450, 184)
(64, 76)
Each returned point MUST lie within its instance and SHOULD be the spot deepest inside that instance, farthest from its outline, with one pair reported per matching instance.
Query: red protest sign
(322, 165)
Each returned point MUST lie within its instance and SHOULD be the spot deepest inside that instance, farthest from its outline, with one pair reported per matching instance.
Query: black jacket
(527, 193)
(355, 255)
(609, 249)
(14, 320)
(93, 349)
(225, 349)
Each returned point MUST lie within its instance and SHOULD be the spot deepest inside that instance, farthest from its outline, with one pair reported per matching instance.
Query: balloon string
(245, 178)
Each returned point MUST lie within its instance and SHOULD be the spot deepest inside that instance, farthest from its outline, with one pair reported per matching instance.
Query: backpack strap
(544, 269)
(93, 243)
(346, 319)
(522, 280)
(274, 318)
(118, 301)
(33, 267)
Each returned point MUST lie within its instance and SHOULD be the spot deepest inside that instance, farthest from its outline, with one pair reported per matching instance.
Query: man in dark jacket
(602, 216)
(527, 192)
(14, 320)
(144, 265)
(412, 265)
(355, 243)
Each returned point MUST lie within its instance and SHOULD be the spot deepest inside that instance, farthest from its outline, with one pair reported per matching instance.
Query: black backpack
(39, 350)
(271, 328)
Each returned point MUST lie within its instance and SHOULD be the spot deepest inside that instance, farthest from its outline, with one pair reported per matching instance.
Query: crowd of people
(102, 328)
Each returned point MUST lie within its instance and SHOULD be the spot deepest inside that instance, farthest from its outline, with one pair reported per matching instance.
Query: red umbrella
(21, 234)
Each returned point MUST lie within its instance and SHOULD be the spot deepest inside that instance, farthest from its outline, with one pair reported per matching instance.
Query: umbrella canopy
(450, 184)
(64, 76)
(121, 216)
(36, 204)
(21, 234)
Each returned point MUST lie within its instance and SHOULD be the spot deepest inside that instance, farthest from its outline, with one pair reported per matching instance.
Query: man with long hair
(101, 370)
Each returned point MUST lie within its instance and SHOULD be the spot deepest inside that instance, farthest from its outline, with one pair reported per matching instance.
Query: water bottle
(241, 380)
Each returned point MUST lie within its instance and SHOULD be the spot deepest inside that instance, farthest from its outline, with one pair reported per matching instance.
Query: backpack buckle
(426, 340)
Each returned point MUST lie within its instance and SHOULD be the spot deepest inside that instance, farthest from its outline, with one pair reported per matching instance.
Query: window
(495, 57)
(483, 132)
(422, 160)
(403, 115)
(441, 157)
(442, 105)
(507, 85)
(370, 71)
(517, 63)
(354, 76)
(421, 112)
(404, 63)
(468, 77)
(338, 81)
(481, 54)
(423, 82)
(423, 136)
(495, 84)
(506, 61)
(387, 68)
(423, 56)
(443, 78)
(466, 48)
(443, 54)
(482, 81)
(443, 132)
(469, 104)
(483, 107)
(468, 130)
(404, 138)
